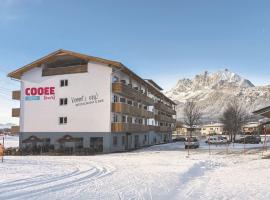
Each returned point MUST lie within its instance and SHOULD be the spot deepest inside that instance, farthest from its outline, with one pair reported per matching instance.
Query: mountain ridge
(214, 90)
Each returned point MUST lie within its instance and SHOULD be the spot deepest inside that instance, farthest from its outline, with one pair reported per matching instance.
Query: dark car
(250, 139)
(179, 139)
(192, 143)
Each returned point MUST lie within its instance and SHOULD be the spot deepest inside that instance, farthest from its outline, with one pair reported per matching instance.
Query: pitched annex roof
(61, 52)
(154, 83)
(263, 111)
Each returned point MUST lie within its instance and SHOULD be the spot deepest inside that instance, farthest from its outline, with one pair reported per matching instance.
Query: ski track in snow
(158, 172)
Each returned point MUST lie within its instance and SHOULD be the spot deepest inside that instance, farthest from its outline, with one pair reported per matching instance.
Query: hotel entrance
(96, 144)
(128, 144)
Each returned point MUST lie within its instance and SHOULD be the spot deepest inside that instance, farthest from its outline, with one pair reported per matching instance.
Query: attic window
(65, 61)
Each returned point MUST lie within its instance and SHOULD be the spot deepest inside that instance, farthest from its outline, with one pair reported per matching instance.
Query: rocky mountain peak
(214, 90)
(217, 80)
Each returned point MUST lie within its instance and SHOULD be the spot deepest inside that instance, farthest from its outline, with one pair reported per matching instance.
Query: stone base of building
(88, 142)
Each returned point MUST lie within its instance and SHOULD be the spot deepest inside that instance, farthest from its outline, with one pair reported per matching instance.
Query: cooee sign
(39, 91)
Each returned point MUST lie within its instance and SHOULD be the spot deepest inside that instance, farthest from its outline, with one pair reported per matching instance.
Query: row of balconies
(16, 95)
(163, 107)
(131, 110)
(139, 112)
(132, 93)
(129, 127)
(165, 118)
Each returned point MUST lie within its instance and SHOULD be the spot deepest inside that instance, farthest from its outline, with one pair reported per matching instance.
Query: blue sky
(162, 40)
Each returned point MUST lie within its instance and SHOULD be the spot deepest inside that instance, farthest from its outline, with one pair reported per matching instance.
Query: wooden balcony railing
(129, 92)
(165, 129)
(131, 110)
(15, 112)
(16, 95)
(50, 71)
(165, 108)
(15, 129)
(128, 127)
(165, 118)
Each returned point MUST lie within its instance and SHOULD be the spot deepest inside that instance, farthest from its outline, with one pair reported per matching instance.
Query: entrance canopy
(68, 138)
(33, 138)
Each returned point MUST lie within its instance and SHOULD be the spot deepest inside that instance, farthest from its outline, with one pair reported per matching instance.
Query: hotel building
(72, 100)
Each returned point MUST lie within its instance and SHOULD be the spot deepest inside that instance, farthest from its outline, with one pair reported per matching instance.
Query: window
(129, 119)
(63, 83)
(129, 102)
(123, 140)
(62, 120)
(115, 140)
(115, 118)
(115, 98)
(63, 101)
(124, 118)
(123, 100)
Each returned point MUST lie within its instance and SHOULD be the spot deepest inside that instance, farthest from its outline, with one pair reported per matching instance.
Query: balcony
(165, 129)
(131, 110)
(128, 127)
(15, 112)
(50, 71)
(129, 92)
(165, 108)
(165, 118)
(15, 129)
(16, 95)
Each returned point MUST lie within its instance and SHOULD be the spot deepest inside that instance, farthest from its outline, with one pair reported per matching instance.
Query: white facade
(94, 87)
(210, 129)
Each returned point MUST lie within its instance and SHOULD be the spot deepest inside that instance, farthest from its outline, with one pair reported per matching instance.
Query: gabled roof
(61, 52)
(17, 73)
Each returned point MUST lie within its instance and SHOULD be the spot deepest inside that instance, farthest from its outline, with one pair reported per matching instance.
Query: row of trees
(233, 118)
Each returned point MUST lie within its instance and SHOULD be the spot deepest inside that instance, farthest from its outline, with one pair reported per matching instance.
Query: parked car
(192, 143)
(217, 140)
(179, 139)
(249, 139)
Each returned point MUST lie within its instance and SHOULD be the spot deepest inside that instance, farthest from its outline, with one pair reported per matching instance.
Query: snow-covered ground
(157, 172)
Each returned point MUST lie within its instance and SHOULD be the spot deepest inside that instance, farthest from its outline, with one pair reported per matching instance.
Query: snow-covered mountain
(214, 90)
(7, 125)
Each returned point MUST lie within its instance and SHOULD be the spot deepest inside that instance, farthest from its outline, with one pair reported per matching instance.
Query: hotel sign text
(36, 93)
(86, 100)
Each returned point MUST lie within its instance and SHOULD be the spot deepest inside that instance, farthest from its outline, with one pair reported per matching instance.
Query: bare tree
(192, 114)
(233, 118)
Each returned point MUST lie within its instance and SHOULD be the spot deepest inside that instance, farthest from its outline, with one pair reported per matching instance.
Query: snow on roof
(213, 124)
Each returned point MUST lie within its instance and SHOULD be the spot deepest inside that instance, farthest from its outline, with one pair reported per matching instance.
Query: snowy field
(158, 172)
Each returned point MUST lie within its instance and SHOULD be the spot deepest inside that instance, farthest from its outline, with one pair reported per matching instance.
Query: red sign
(39, 91)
